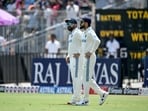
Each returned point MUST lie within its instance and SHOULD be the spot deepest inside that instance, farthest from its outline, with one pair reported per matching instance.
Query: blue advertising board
(50, 72)
(55, 72)
(108, 72)
(146, 72)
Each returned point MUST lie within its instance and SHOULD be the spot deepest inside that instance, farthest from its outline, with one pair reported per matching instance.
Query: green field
(57, 102)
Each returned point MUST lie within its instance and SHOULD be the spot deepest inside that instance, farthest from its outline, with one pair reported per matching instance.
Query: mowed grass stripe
(57, 102)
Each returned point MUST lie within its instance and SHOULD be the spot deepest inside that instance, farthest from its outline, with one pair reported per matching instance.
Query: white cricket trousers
(76, 74)
(88, 79)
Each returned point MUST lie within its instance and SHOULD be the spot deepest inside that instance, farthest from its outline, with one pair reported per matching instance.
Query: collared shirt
(112, 47)
(53, 48)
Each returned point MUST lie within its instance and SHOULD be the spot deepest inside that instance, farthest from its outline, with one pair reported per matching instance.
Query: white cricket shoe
(103, 98)
(82, 103)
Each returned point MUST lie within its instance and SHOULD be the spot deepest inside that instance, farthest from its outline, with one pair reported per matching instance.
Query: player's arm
(95, 42)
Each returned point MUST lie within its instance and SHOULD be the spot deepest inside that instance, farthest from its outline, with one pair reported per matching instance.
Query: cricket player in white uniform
(89, 46)
(74, 59)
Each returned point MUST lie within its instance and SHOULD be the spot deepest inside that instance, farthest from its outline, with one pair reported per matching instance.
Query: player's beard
(69, 28)
(82, 25)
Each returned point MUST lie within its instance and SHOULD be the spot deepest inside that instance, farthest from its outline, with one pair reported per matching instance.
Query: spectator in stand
(34, 18)
(72, 10)
(55, 6)
(60, 3)
(84, 4)
(52, 47)
(20, 4)
(28, 3)
(43, 4)
(19, 7)
(11, 6)
(112, 46)
(48, 13)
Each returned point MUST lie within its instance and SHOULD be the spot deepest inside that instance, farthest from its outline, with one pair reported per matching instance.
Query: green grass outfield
(57, 102)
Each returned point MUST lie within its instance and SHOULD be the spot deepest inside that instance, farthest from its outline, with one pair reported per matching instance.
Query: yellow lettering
(146, 36)
(131, 55)
(129, 14)
(136, 55)
(139, 37)
(145, 15)
(134, 37)
(102, 18)
(121, 33)
(137, 14)
(115, 33)
(134, 14)
(140, 14)
(110, 18)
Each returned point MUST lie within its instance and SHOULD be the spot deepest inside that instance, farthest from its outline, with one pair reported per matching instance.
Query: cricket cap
(73, 21)
(86, 19)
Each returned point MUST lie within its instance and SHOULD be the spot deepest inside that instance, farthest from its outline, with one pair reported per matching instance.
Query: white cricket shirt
(53, 46)
(74, 42)
(90, 41)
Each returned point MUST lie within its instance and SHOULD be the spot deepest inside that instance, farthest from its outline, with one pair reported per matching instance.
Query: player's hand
(67, 59)
(76, 55)
(88, 54)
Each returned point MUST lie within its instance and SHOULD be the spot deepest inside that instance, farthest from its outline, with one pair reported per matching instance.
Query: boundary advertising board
(55, 72)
